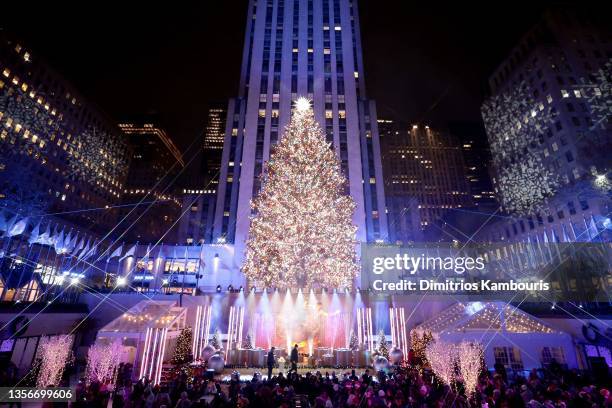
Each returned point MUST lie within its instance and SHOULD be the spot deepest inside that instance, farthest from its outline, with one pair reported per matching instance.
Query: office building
(422, 167)
(151, 203)
(548, 125)
(297, 48)
(59, 154)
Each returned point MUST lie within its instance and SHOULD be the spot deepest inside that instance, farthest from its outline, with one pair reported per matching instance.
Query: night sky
(424, 62)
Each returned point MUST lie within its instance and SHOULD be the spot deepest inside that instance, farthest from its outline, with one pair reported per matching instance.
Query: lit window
(275, 113)
(356, 74)
(564, 93)
(577, 93)
(230, 179)
(342, 114)
(372, 180)
(234, 132)
(24, 87)
(328, 114)
(6, 72)
(337, 28)
(262, 113)
(325, 28)
(326, 51)
(549, 98)
(26, 56)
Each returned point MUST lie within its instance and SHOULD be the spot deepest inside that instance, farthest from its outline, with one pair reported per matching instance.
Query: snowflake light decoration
(96, 154)
(515, 123)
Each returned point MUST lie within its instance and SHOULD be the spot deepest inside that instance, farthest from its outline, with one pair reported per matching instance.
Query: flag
(128, 253)
(34, 235)
(17, 227)
(116, 253)
(85, 249)
(72, 243)
(58, 242)
(80, 245)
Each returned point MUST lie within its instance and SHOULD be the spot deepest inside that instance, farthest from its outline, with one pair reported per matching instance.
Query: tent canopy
(484, 316)
(147, 314)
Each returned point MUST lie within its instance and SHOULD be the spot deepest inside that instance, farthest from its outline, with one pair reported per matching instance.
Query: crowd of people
(401, 387)
(405, 386)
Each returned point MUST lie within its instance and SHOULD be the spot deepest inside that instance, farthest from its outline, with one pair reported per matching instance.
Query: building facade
(299, 48)
(548, 125)
(477, 159)
(423, 168)
(214, 135)
(59, 154)
(151, 204)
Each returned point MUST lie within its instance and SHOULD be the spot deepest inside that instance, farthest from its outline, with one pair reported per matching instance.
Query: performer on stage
(294, 359)
(271, 362)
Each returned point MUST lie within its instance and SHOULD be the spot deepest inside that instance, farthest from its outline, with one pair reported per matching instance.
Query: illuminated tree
(54, 354)
(215, 342)
(469, 356)
(442, 358)
(102, 361)
(247, 344)
(182, 351)
(354, 342)
(382, 349)
(302, 233)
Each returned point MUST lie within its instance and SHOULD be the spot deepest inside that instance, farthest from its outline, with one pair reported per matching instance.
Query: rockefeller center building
(151, 204)
(548, 125)
(58, 153)
(424, 178)
(297, 48)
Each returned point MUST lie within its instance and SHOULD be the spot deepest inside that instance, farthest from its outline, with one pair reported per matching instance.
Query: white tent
(149, 329)
(509, 336)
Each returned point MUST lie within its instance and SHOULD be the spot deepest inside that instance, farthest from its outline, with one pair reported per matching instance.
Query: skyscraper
(297, 48)
(59, 154)
(548, 124)
(424, 170)
(213, 142)
(155, 163)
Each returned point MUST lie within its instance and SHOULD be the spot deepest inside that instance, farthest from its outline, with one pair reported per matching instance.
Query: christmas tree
(354, 342)
(247, 344)
(215, 342)
(302, 233)
(182, 352)
(382, 349)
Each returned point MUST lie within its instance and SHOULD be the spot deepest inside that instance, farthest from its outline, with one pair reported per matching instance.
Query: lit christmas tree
(382, 348)
(247, 344)
(215, 342)
(182, 352)
(302, 233)
(354, 342)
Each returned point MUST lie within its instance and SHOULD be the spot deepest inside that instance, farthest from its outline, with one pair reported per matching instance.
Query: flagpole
(157, 272)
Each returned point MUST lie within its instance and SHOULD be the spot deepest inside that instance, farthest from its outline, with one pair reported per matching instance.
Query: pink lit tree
(102, 361)
(54, 354)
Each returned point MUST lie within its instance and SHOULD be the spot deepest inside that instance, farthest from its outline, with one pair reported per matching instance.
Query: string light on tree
(442, 357)
(469, 357)
(301, 234)
(182, 351)
(102, 360)
(54, 354)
